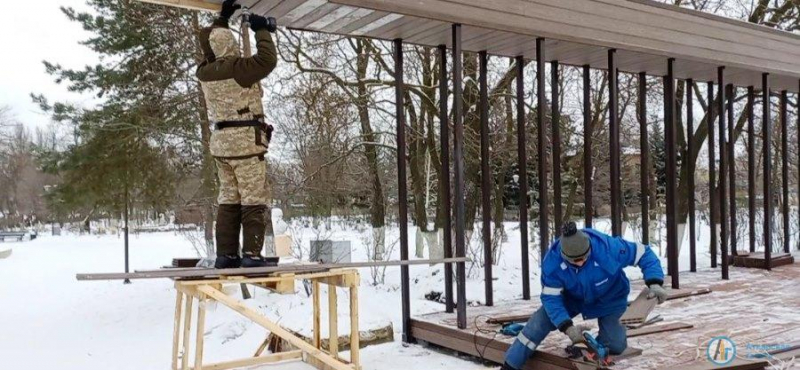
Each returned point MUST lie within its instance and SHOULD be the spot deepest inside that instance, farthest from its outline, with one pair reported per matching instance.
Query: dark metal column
(766, 131)
(712, 174)
(588, 167)
(731, 170)
(402, 187)
(555, 117)
(723, 170)
(644, 170)
(522, 158)
(444, 141)
(690, 150)
(486, 177)
(751, 168)
(544, 237)
(613, 140)
(458, 166)
(785, 167)
(672, 204)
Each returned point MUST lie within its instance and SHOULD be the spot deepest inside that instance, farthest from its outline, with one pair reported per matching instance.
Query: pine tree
(151, 130)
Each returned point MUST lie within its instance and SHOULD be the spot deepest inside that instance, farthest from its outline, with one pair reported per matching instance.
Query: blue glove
(512, 330)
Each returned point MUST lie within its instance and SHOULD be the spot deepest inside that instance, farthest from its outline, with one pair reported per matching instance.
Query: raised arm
(249, 71)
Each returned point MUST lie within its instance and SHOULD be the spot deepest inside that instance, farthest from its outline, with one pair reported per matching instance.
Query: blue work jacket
(599, 287)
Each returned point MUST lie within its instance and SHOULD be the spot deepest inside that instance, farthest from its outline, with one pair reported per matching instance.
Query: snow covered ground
(50, 320)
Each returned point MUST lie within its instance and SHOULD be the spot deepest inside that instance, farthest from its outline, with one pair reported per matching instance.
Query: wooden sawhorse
(211, 289)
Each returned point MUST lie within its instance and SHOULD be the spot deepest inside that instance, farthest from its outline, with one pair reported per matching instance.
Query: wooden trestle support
(202, 291)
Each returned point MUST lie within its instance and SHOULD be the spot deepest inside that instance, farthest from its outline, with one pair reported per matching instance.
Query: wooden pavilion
(638, 37)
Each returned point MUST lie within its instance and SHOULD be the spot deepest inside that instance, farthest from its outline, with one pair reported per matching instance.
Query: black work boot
(254, 225)
(227, 235)
(230, 261)
(254, 260)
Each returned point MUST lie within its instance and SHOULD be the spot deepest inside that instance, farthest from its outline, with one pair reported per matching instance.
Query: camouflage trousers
(242, 181)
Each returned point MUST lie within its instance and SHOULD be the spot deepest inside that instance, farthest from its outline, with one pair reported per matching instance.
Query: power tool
(594, 352)
(597, 351)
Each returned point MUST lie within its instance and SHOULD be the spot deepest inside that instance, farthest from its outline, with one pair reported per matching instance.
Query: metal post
(458, 165)
(444, 141)
(486, 177)
(644, 170)
(555, 118)
(723, 170)
(751, 168)
(613, 130)
(672, 204)
(785, 167)
(732, 170)
(766, 131)
(712, 174)
(127, 229)
(544, 237)
(691, 163)
(402, 187)
(588, 168)
(522, 159)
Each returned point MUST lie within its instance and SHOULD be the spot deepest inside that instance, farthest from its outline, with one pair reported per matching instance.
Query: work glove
(228, 8)
(575, 333)
(258, 22)
(657, 291)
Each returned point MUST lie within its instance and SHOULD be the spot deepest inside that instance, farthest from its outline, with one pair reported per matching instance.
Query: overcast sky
(29, 35)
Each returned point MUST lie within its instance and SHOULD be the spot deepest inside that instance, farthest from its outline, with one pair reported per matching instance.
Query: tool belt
(258, 124)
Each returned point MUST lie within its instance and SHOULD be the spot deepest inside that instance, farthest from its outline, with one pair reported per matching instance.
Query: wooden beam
(252, 361)
(658, 329)
(298, 268)
(176, 334)
(187, 4)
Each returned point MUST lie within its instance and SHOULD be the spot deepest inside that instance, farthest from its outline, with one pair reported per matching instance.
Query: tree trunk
(377, 208)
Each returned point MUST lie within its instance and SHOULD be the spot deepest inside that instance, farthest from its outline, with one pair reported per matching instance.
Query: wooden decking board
(639, 309)
(658, 329)
(758, 260)
(736, 309)
(672, 294)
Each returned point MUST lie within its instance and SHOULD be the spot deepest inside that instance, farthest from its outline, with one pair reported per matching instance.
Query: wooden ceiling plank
(349, 28)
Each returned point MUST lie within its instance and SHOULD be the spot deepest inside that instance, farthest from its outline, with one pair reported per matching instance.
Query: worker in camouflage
(231, 84)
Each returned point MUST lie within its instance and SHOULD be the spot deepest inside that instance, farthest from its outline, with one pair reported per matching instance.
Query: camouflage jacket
(230, 84)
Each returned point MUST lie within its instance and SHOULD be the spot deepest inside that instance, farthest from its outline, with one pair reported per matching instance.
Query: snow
(47, 317)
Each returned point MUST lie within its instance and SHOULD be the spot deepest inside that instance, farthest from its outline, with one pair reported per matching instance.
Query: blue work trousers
(612, 334)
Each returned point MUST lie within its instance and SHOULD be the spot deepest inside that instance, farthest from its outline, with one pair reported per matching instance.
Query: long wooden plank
(203, 272)
(658, 329)
(252, 361)
(273, 328)
(683, 293)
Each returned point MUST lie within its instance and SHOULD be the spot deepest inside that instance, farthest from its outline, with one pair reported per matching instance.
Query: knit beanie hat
(574, 243)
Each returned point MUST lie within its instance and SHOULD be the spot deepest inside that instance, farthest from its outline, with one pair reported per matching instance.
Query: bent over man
(240, 137)
(583, 273)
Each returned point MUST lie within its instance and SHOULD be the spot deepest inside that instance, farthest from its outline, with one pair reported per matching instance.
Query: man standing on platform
(232, 89)
(583, 273)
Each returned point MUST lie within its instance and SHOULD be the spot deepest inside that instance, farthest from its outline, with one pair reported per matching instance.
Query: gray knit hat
(574, 243)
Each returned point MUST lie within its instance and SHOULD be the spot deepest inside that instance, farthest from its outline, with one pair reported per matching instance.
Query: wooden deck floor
(754, 306)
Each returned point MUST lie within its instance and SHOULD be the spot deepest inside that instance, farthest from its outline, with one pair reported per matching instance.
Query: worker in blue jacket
(583, 274)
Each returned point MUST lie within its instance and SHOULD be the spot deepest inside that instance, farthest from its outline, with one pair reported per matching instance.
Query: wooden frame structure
(204, 290)
(629, 36)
